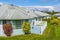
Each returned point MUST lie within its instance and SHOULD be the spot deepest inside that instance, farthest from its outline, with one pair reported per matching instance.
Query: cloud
(1, 3)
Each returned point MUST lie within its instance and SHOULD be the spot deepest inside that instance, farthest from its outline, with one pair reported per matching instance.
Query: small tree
(48, 20)
(54, 21)
(53, 17)
(26, 27)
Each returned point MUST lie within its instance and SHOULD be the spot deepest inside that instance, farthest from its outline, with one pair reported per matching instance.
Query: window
(36, 19)
(0, 22)
(17, 24)
(26, 20)
(6, 22)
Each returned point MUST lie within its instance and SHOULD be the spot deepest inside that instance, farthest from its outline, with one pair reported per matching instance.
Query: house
(11, 14)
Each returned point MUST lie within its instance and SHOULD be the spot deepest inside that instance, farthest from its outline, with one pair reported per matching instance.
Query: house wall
(15, 31)
(1, 28)
(34, 29)
(37, 28)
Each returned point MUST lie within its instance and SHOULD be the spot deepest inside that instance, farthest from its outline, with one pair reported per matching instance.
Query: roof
(14, 12)
(41, 13)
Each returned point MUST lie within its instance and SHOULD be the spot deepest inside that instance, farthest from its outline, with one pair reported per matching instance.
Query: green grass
(51, 33)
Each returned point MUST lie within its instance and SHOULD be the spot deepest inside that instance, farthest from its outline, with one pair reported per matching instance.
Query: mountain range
(40, 8)
(44, 8)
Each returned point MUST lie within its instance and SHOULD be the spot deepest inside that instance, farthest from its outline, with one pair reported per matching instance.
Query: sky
(32, 2)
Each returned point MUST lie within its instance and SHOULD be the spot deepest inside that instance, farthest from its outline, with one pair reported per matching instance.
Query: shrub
(54, 21)
(7, 29)
(48, 20)
(44, 19)
(26, 27)
(54, 17)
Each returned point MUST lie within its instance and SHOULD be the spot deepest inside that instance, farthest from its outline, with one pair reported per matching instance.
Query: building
(16, 16)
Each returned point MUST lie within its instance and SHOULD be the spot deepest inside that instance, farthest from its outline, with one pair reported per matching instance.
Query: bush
(44, 19)
(54, 17)
(26, 27)
(7, 29)
(48, 20)
(54, 21)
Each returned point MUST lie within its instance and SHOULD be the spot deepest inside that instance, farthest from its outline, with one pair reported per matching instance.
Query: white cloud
(1, 3)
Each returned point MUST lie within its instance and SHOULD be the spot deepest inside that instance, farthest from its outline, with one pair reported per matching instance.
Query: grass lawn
(51, 33)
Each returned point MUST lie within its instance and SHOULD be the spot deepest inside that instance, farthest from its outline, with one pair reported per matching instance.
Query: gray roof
(14, 12)
(41, 13)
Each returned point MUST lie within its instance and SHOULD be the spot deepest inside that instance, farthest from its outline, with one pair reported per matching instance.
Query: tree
(52, 13)
(26, 27)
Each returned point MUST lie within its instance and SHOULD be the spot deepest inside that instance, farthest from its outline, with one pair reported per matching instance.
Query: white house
(16, 16)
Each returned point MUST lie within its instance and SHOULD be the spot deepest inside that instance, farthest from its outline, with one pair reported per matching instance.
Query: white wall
(1, 31)
(17, 32)
(38, 29)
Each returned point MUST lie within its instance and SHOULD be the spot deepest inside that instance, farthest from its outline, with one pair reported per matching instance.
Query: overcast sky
(32, 2)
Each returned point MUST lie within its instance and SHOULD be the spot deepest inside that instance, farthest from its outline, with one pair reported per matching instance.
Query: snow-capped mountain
(57, 8)
(44, 8)
(41, 8)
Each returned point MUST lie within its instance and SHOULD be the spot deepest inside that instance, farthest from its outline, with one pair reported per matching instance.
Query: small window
(6, 22)
(0, 22)
(36, 19)
(17, 24)
(32, 27)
